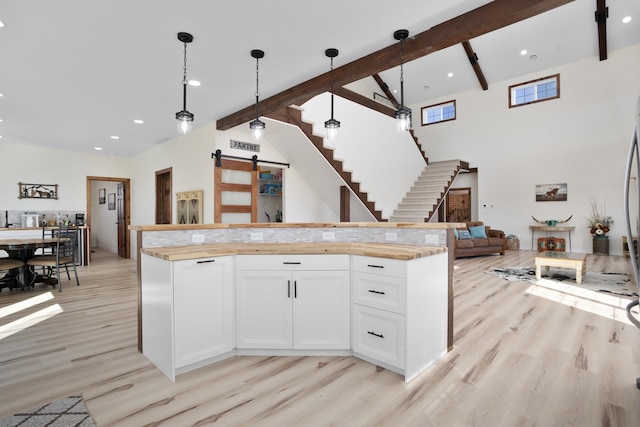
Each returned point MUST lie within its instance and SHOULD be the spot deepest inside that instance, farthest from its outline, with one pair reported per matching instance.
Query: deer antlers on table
(551, 222)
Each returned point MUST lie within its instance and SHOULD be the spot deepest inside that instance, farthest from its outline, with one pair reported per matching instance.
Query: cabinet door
(263, 309)
(321, 310)
(203, 309)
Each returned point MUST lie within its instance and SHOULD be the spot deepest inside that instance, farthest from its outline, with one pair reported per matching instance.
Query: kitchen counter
(399, 225)
(381, 250)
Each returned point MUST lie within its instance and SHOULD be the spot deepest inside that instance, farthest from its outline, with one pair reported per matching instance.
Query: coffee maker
(79, 219)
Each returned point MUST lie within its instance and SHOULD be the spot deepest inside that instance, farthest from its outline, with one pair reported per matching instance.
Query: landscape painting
(551, 192)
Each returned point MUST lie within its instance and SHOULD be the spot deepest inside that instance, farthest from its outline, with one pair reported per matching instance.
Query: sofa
(478, 239)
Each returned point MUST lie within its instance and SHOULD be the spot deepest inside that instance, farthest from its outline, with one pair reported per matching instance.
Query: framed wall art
(551, 192)
(37, 191)
(189, 209)
(102, 196)
(112, 201)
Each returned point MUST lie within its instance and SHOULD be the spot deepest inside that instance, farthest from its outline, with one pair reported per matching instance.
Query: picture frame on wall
(102, 196)
(112, 201)
(551, 192)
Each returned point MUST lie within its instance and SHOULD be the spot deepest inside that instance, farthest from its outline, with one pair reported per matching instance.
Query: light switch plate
(391, 237)
(256, 236)
(197, 238)
(328, 235)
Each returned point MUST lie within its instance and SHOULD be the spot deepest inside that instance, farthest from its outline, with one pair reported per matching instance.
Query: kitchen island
(387, 303)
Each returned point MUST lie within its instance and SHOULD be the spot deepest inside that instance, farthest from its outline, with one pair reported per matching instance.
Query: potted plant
(599, 225)
(513, 243)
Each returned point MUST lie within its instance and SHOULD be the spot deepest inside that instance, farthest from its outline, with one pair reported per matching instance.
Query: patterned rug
(619, 284)
(69, 412)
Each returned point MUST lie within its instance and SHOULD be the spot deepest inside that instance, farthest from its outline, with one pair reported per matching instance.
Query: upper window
(439, 113)
(534, 91)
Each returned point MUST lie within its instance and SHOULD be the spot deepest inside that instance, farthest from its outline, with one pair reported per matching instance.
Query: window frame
(429, 107)
(534, 83)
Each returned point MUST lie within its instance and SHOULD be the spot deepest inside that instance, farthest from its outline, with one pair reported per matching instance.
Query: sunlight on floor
(28, 320)
(14, 308)
(608, 306)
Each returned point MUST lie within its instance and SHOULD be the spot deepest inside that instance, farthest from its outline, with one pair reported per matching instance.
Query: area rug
(619, 284)
(69, 412)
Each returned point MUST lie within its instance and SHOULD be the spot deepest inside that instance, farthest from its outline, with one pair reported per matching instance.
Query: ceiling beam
(473, 59)
(492, 16)
(364, 101)
(602, 13)
(385, 88)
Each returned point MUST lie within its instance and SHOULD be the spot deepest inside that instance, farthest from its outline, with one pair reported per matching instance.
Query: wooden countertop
(423, 225)
(381, 250)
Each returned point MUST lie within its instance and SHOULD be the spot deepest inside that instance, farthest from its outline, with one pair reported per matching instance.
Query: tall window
(439, 113)
(534, 91)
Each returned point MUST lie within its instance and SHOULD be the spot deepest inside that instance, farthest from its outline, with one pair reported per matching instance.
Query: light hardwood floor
(519, 359)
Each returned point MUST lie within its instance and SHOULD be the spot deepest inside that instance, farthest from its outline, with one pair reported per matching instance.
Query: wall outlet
(197, 238)
(328, 235)
(431, 239)
(256, 236)
(391, 237)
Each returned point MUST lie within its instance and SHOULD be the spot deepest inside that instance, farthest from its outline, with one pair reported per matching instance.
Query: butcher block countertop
(381, 250)
(423, 225)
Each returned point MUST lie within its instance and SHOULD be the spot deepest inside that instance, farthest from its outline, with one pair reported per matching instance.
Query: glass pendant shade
(257, 129)
(403, 119)
(185, 119)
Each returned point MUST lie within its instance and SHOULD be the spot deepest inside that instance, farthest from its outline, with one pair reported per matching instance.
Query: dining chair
(64, 256)
(9, 280)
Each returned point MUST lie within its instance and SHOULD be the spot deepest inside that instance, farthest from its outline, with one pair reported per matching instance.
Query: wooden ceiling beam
(602, 13)
(473, 59)
(384, 87)
(364, 101)
(492, 16)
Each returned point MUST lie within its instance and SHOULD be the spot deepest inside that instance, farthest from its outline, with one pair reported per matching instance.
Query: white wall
(104, 230)
(581, 139)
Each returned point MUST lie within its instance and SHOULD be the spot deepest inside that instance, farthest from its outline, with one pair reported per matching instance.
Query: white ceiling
(76, 72)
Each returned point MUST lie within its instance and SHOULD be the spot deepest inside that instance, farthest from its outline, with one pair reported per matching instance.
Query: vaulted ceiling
(76, 73)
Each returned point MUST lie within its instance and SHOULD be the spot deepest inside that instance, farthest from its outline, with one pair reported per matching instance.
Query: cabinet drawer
(383, 266)
(378, 334)
(384, 292)
(292, 262)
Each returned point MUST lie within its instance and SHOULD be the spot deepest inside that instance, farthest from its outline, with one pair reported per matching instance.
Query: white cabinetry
(292, 302)
(187, 312)
(399, 312)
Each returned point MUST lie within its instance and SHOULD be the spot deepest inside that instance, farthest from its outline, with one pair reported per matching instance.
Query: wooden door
(163, 196)
(122, 223)
(459, 205)
(235, 192)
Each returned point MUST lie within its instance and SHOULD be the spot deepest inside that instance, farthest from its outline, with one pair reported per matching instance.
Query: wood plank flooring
(519, 359)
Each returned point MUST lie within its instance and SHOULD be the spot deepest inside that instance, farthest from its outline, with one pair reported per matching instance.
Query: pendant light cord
(331, 88)
(401, 73)
(257, 87)
(184, 80)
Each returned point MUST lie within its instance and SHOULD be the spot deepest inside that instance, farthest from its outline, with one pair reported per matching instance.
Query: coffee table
(562, 260)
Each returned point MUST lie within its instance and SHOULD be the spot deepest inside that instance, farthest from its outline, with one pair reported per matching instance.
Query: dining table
(25, 249)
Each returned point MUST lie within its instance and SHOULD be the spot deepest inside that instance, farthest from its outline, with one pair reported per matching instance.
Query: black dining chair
(64, 256)
(9, 280)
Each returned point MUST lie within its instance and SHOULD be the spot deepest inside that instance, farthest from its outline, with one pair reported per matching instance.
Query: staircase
(426, 194)
(294, 116)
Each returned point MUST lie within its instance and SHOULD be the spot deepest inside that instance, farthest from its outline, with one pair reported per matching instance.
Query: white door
(203, 309)
(321, 317)
(263, 309)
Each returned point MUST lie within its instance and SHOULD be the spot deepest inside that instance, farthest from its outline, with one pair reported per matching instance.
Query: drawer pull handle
(292, 263)
(374, 334)
(373, 291)
(375, 266)
(288, 288)
(206, 260)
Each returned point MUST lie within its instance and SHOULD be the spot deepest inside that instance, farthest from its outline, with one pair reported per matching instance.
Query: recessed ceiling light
(1, 95)
(1, 24)
(0, 120)
(194, 83)
(97, 148)
(395, 91)
(533, 57)
(138, 121)
(115, 137)
(450, 75)
(626, 19)
(426, 87)
(523, 52)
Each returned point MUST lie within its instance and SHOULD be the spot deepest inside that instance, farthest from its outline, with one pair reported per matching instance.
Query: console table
(549, 229)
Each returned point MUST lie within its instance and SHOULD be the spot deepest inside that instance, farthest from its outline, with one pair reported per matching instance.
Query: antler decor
(551, 222)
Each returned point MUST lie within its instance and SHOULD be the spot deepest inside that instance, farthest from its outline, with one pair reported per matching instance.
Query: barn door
(459, 205)
(235, 192)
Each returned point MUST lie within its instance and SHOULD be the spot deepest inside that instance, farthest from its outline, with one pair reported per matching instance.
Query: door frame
(126, 182)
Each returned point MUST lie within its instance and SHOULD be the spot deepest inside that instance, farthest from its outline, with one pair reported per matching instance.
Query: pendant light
(257, 126)
(332, 125)
(403, 114)
(184, 117)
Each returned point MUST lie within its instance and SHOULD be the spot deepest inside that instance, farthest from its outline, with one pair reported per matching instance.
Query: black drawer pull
(288, 288)
(292, 263)
(373, 291)
(375, 266)
(206, 260)
(374, 334)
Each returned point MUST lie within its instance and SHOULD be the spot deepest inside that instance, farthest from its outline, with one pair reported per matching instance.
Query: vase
(601, 245)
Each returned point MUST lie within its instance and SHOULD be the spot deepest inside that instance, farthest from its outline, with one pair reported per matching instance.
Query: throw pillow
(477, 232)
(455, 233)
(464, 234)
